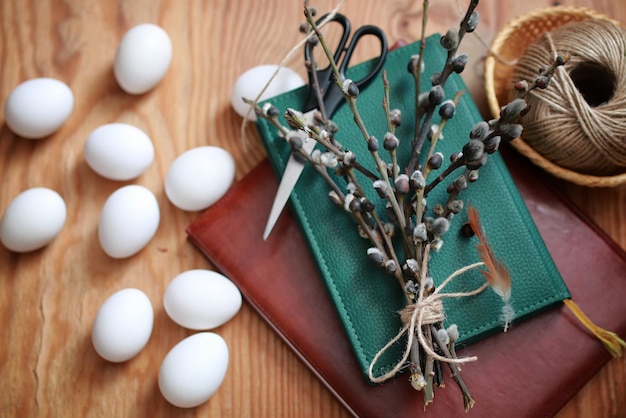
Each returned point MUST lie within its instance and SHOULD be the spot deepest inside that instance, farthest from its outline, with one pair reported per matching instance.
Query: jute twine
(579, 121)
(427, 310)
(509, 44)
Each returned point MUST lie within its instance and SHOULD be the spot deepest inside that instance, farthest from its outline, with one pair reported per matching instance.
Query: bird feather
(496, 273)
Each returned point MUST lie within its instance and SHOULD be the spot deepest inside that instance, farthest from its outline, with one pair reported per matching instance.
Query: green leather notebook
(367, 299)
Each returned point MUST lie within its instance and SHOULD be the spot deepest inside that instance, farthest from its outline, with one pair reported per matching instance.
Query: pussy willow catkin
(579, 122)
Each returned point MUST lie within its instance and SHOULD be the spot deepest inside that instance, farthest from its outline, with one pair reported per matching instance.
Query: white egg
(32, 219)
(123, 325)
(38, 107)
(194, 369)
(118, 151)
(143, 57)
(199, 177)
(250, 83)
(201, 299)
(128, 221)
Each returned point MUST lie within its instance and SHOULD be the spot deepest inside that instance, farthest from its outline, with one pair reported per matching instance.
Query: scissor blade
(292, 173)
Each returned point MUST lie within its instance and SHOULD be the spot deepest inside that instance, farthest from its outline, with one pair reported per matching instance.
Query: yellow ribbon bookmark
(612, 342)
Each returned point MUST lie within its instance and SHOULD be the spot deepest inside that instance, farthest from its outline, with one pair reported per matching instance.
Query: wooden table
(48, 298)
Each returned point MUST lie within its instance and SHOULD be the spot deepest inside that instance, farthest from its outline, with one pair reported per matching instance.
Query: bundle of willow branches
(420, 224)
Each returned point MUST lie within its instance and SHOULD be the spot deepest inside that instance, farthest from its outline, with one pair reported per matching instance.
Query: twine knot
(427, 310)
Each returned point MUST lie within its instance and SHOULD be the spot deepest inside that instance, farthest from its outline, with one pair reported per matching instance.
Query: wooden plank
(49, 298)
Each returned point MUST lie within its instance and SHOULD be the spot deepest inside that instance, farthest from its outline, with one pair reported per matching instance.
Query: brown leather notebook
(530, 371)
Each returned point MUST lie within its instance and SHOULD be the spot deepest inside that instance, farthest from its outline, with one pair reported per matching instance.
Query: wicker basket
(509, 45)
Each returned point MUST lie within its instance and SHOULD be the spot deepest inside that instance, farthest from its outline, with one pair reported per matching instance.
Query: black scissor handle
(334, 96)
(361, 32)
(345, 24)
(324, 76)
(331, 94)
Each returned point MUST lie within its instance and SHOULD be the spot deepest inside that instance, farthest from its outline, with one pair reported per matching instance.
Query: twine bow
(427, 310)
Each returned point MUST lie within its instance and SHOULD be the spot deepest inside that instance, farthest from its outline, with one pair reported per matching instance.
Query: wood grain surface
(49, 298)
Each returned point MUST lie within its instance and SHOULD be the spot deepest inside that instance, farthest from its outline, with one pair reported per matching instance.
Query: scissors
(332, 98)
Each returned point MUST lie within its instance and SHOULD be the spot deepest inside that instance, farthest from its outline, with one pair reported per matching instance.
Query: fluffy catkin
(579, 121)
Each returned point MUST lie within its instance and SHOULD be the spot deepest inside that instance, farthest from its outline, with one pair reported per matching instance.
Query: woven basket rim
(493, 87)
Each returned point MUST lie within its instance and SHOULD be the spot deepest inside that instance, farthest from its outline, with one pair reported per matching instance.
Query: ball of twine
(579, 121)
